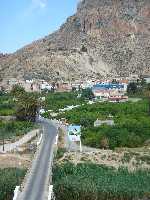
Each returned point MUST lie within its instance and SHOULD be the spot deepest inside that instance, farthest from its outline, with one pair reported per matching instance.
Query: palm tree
(17, 90)
(27, 105)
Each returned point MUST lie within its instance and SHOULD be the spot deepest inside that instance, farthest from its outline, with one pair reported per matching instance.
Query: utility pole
(3, 142)
(80, 145)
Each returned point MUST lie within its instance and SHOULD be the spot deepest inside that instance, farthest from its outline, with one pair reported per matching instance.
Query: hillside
(3, 56)
(103, 38)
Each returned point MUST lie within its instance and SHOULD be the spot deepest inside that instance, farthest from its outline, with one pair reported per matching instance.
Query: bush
(60, 153)
(6, 105)
(9, 179)
(11, 129)
(86, 122)
(17, 90)
(87, 93)
(6, 112)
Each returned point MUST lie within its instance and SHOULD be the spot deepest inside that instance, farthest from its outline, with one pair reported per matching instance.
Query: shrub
(6, 105)
(9, 179)
(94, 182)
(11, 129)
(60, 153)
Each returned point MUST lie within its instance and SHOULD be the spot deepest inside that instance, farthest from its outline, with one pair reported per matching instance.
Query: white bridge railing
(51, 193)
(16, 192)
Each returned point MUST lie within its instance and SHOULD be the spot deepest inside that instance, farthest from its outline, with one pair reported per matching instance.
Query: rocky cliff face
(104, 38)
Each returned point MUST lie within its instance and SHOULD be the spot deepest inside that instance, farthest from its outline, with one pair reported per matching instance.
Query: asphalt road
(37, 184)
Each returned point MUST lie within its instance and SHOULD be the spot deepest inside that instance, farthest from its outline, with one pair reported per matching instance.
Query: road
(37, 183)
(12, 146)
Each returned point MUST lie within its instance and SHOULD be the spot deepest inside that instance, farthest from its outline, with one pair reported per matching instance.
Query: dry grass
(15, 161)
(61, 139)
(124, 158)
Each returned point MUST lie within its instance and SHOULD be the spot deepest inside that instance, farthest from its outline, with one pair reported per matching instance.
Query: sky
(23, 21)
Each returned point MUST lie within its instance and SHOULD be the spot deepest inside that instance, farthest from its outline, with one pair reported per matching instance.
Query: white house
(101, 122)
(46, 86)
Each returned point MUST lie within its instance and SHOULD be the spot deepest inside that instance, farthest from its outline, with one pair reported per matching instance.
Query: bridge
(37, 182)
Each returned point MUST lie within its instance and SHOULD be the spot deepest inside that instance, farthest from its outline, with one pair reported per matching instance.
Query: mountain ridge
(102, 39)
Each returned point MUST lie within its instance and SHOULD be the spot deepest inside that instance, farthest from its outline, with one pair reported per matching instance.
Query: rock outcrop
(104, 38)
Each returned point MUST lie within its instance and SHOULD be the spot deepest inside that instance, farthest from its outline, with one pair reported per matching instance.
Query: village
(112, 90)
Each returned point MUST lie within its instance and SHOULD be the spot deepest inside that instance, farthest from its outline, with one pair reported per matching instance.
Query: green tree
(86, 121)
(132, 88)
(17, 90)
(87, 93)
(27, 105)
(143, 82)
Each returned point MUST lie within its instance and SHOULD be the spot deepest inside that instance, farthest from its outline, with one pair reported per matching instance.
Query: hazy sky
(23, 21)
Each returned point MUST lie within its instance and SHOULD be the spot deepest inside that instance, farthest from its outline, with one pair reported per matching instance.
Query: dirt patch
(15, 160)
(20, 157)
(123, 158)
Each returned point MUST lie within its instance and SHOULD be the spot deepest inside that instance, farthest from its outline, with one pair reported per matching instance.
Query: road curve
(36, 186)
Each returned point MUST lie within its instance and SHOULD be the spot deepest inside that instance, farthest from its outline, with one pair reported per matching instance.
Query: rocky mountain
(103, 38)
